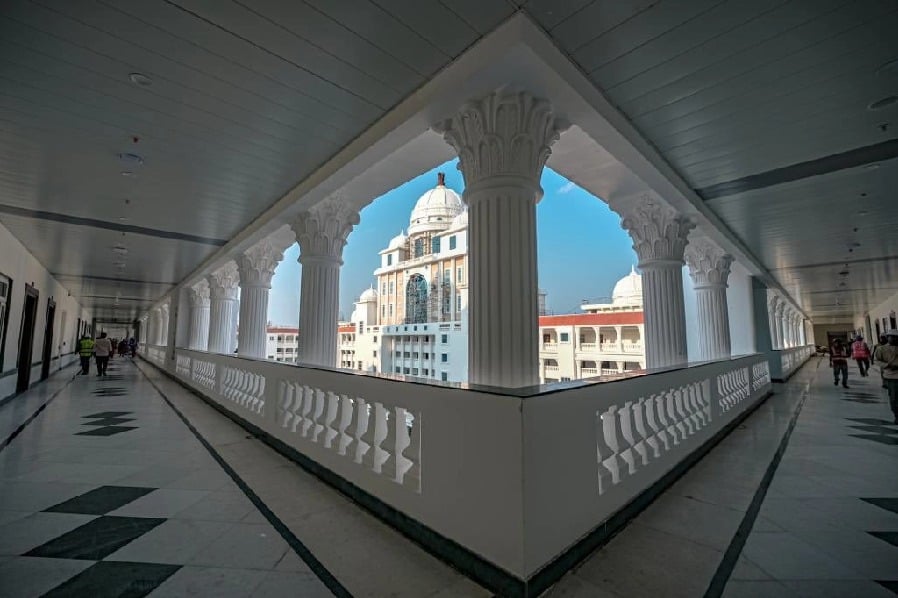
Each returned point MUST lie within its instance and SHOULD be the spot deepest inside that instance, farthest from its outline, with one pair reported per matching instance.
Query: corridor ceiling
(137, 137)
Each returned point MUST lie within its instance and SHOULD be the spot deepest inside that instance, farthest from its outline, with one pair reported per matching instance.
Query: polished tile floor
(108, 492)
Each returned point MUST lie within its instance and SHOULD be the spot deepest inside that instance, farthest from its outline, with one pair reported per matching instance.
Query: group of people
(103, 349)
(884, 355)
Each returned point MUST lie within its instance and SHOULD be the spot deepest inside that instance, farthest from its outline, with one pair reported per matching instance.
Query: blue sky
(582, 249)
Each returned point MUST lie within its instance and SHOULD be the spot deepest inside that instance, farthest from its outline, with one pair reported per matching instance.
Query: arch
(416, 300)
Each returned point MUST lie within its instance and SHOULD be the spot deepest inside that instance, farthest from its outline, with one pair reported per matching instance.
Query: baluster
(669, 434)
(696, 407)
(259, 400)
(285, 404)
(368, 450)
(691, 408)
(297, 406)
(604, 452)
(389, 467)
(623, 458)
(330, 417)
(682, 414)
(349, 423)
(637, 424)
(677, 426)
(411, 477)
(307, 406)
(658, 436)
(721, 389)
(317, 425)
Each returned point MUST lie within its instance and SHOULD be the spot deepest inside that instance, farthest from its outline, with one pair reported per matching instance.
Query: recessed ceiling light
(140, 79)
(122, 218)
(863, 213)
(129, 158)
(844, 273)
(127, 173)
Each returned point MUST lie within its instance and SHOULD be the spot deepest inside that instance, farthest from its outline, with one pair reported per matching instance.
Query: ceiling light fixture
(882, 103)
(129, 158)
(127, 173)
(140, 79)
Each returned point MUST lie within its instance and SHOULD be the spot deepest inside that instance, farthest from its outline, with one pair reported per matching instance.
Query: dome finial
(441, 179)
(632, 269)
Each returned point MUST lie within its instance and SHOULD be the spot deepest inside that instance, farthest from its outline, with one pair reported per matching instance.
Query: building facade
(413, 322)
(282, 344)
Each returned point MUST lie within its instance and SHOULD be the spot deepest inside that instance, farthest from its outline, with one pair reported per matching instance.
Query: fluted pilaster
(778, 320)
(199, 316)
(503, 141)
(223, 305)
(256, 268)
(163, 329)
(659, 236)
(322, 233)
(709, 267)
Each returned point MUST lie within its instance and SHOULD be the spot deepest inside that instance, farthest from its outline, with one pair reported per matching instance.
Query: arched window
(416, 300)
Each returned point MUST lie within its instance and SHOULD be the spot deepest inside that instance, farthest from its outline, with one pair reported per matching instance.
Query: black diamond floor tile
(880, 438)
(110, 392)
(107, 431)
(889, 504)
(876, 429)
(890, 537)
(114, 579)
(114, 421)
(872, 421)
(106, 414)
(96, 539)
(100, 501)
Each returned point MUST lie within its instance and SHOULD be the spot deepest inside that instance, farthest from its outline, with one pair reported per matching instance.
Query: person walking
(85, 351)
(838, 361)
(132, 345)
(886, 356)
(882, 342)
(102, 349)
(123, 347)
(860, 352)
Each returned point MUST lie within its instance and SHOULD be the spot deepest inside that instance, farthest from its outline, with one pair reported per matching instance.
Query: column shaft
(221, 319)
(251, 335)
(199, 327)
(319, 310)
(665, 314)
(713, 322)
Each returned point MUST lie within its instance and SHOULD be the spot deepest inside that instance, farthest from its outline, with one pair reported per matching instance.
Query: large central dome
(436, 209)
(628, 290)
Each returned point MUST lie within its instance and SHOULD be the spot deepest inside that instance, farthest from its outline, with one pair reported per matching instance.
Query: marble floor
(113, 489)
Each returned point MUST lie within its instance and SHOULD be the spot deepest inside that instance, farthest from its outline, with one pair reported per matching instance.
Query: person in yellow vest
(85, 350)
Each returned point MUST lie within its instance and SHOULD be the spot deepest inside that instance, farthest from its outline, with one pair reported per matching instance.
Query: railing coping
(524, 392)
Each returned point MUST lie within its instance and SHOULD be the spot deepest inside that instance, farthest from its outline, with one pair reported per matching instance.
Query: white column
(321, 233)
(772, 301)
(659, 236)
(222, 305)
(778, 322)
(709, 267)
(619, 331)
(503, 141)
(156, 325)
(163, 326)
(256, 267)
(199, 316)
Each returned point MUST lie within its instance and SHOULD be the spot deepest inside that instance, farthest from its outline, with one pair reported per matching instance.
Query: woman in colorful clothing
(838, 361)
(860, 352)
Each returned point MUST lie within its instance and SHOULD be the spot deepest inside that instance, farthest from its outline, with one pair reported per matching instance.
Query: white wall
(878, 313)
(740, 305)
(18, 264)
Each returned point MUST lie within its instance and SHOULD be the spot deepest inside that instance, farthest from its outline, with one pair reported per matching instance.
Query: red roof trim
(620, 318)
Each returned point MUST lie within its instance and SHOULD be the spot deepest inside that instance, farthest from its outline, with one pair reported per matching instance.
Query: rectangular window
(435, 245)
(383, 311)
(405, 370)
(565, 337)
(375, 354)
(415, 355)
(391, 310)
(444, 376)
(447, 276)
(375, 339)
(383, 288)
(458, 302)
(444, 357)
(426, 372)
(444, 338)
(392, 287)
(396, 370)
(427, 356)
(414, 371)
(390, 259)
(406, 354)
(452, 243)
(459, 274)
(398, 353)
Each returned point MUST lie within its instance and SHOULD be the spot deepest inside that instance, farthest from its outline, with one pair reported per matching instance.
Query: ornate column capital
(322, 230)
(223, 282)
(709, 265)
(779, 308)
(199, 294)
(659, 232)
(257, 264)
(500, 138)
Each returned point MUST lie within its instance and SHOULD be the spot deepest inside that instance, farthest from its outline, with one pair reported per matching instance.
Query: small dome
(397, 242)
(628, 290)
(368, 295)
(436, 209)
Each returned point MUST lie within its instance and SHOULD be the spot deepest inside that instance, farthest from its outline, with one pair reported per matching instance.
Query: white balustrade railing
(550, 347)
(609, 372)
(609, 347)
(632, 347)
(516, 479)
(784, 362)
(587, 346)
(586, 372)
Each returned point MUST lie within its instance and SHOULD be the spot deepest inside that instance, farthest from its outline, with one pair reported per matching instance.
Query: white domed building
(413, 322)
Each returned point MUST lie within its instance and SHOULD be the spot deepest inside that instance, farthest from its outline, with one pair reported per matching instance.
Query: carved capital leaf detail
(199, 294)
(502, 134)
(322, 231)
(709, 265)
(659, 232)
(223, 283)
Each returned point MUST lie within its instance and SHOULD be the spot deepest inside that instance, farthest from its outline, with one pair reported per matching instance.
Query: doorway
(47, 354)
(26, 338)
